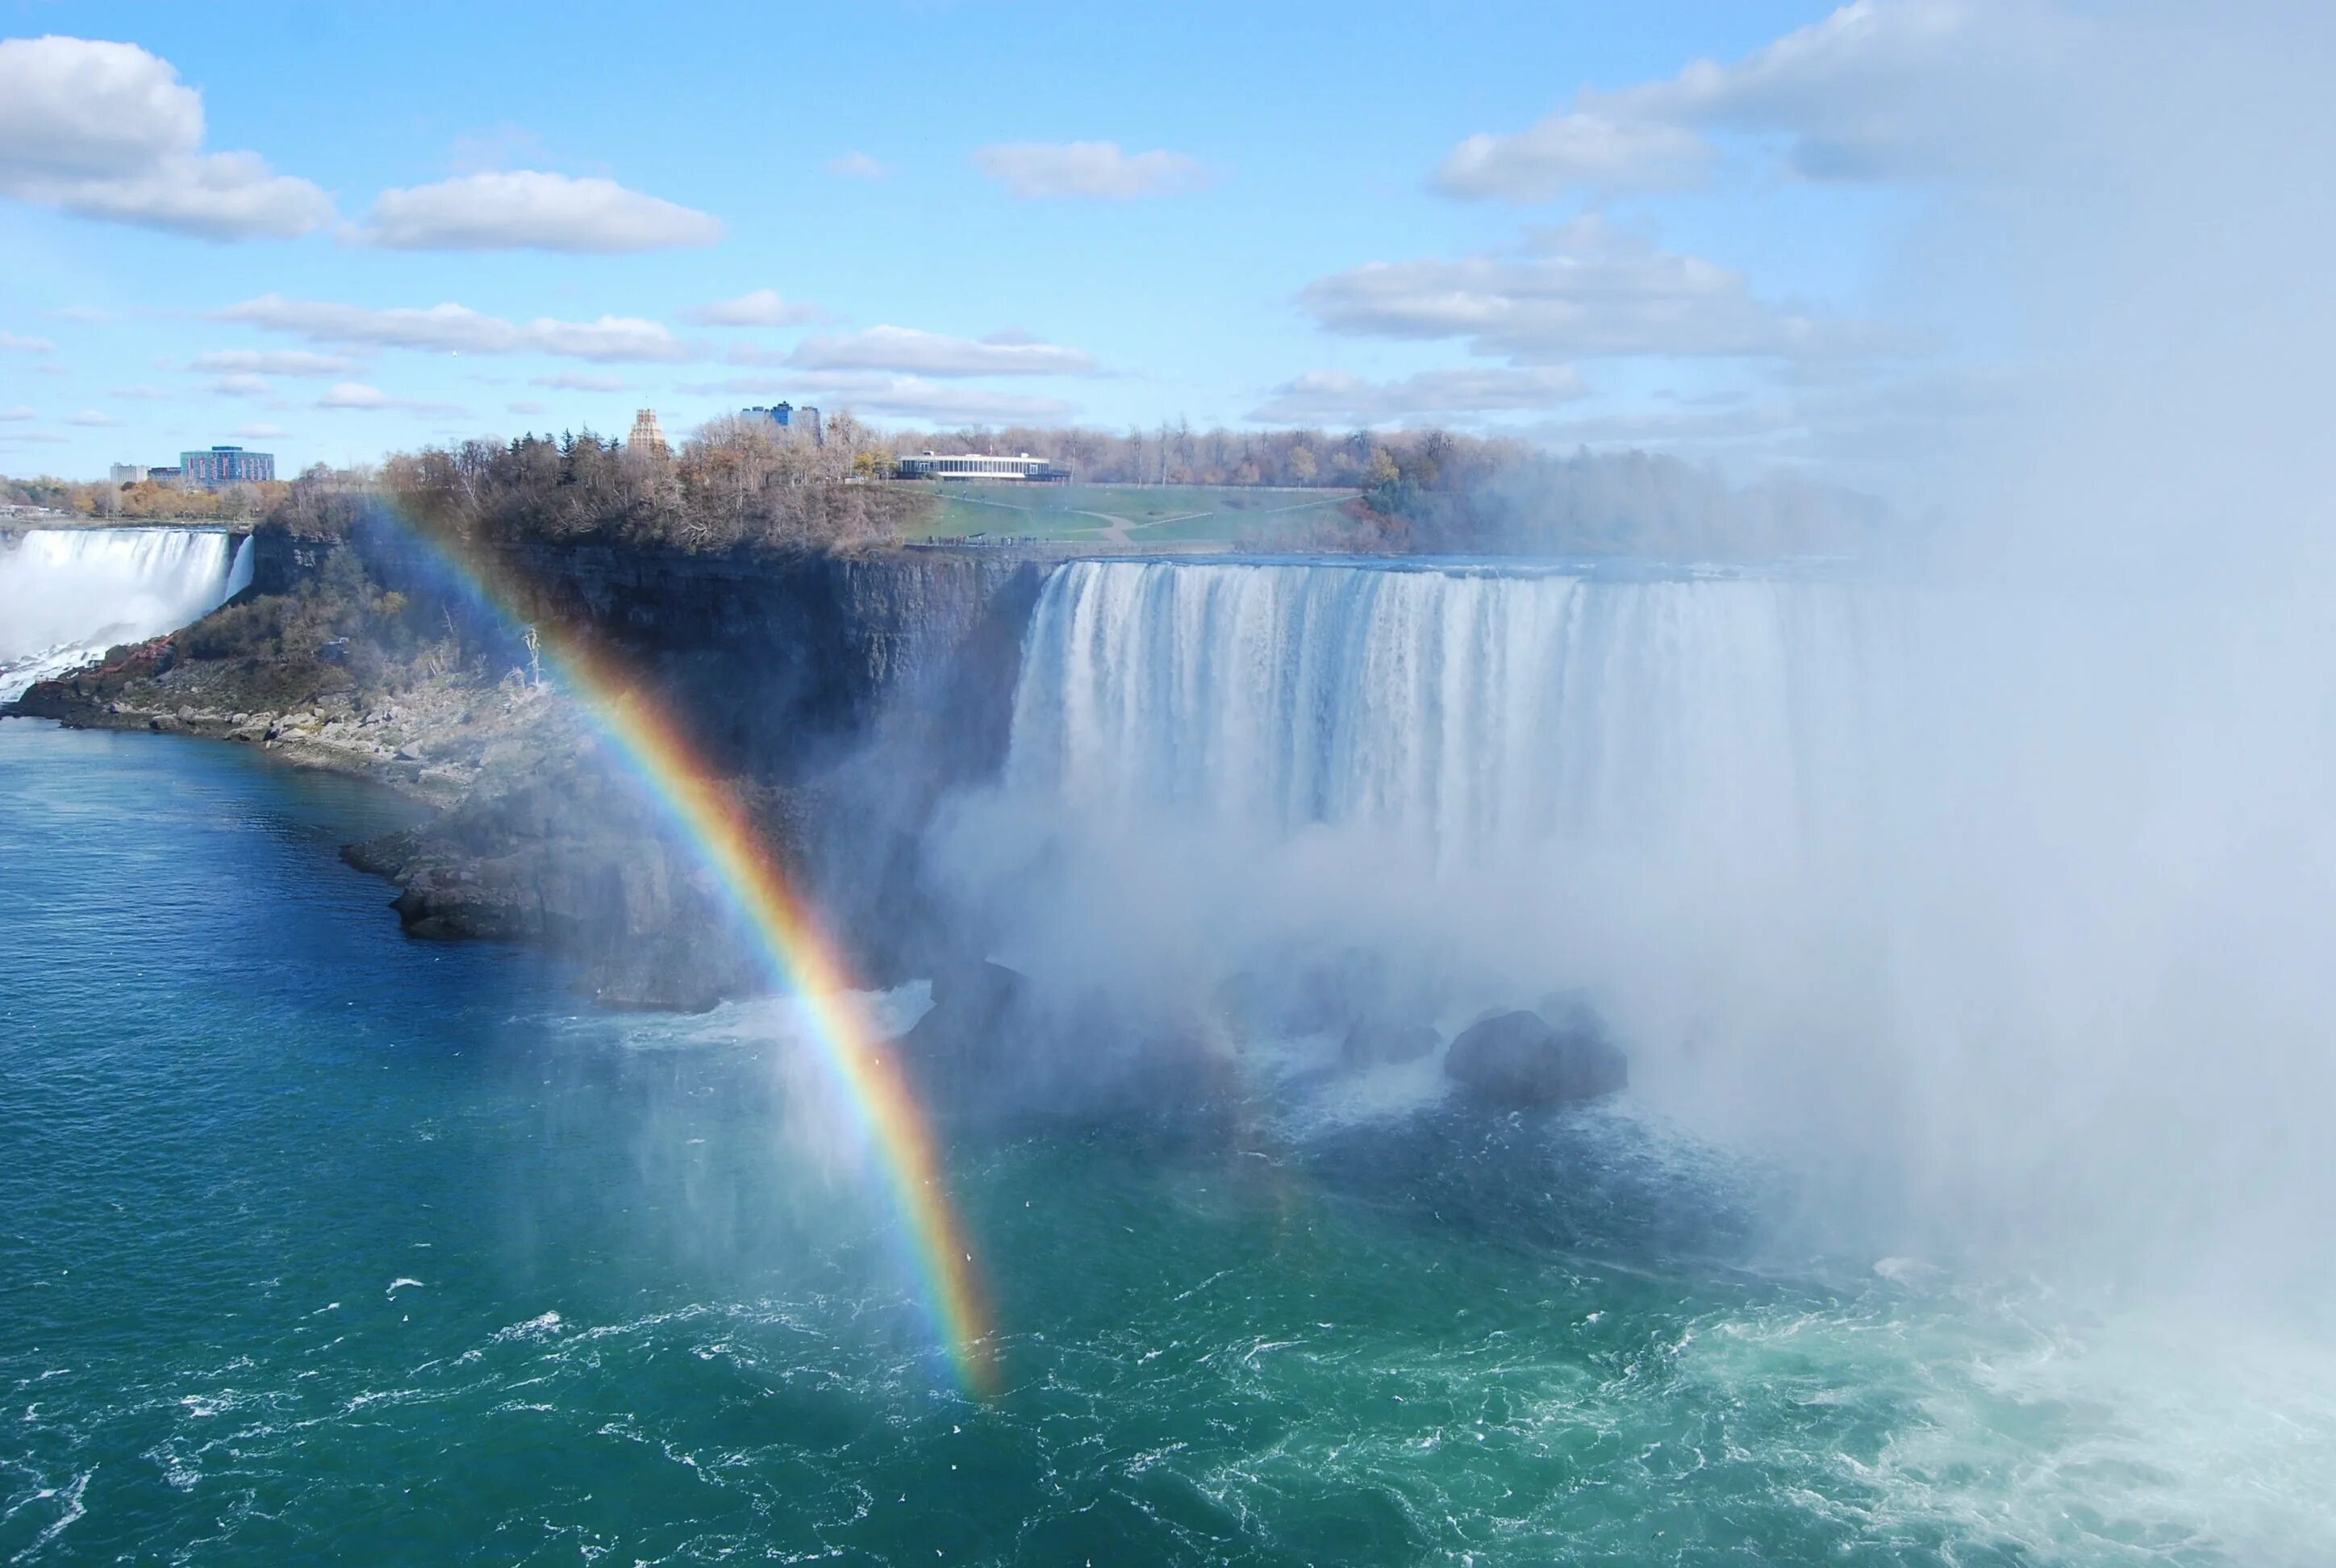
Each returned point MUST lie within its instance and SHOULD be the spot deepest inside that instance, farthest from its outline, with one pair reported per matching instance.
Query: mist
(1984, 882)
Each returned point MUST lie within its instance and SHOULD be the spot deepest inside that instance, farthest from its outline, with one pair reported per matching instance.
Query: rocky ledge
(434, 739)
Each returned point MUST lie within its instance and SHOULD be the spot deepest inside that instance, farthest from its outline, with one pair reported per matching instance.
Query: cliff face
(774, 661)
(842, 695)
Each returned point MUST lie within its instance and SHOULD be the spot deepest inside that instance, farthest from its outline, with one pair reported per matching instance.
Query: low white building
(983, 466)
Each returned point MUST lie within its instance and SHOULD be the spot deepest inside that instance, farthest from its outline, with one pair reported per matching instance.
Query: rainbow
(798, 956)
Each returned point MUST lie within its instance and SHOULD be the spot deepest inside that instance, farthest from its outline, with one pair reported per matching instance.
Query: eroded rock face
(1520, 1061)
(583, 866)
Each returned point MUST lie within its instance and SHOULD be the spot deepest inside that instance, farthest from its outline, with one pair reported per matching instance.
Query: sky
(333, 231)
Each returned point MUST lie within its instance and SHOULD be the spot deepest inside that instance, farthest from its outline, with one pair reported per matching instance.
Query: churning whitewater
(68, 594)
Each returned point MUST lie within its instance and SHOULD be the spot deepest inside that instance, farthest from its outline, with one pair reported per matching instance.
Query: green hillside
(1131, 514)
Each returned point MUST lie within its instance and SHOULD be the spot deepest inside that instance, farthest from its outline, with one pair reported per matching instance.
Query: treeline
(144, 501)
(1179, 454)
(1437, 492)
(1450, 496)
(733, 482)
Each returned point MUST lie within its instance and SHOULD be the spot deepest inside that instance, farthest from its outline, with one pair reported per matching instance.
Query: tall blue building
(226, 465)
(805, 419)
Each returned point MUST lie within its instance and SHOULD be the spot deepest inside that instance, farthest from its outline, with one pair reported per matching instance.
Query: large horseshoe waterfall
(1467, 710)
(68, 594)
(1853, 863)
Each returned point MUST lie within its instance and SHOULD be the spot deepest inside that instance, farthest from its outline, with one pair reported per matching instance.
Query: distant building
(166, 476)
(225, 465)
(786, 414)
(648, 434)
(128, 473)
(982, 466)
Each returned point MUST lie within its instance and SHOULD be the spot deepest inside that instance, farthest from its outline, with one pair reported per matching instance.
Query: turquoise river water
(318, 1243)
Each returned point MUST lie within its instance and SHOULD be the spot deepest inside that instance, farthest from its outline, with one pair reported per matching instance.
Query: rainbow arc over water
(797, 952)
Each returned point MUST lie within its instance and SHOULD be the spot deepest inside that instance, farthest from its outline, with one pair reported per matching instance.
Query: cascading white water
(1467, 712)
(68, 594)
(1973, 886)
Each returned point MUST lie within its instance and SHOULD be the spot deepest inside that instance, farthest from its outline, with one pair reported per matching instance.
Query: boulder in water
(1519, 1061)
(1376, 1042)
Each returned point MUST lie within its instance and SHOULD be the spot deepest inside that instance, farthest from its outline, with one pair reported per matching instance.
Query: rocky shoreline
(434, 741)
(810, 678)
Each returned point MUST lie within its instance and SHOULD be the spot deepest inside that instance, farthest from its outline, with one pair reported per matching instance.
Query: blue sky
(1285, 226)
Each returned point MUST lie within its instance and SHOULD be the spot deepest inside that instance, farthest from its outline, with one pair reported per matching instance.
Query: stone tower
(647, 436)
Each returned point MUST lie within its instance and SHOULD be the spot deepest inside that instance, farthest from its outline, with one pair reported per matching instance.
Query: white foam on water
(68, 594)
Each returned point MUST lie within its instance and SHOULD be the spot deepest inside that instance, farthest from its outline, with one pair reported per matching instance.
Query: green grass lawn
(1105, 514)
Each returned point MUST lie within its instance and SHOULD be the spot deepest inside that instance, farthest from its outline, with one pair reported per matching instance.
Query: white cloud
(356, 396)
(109, 132)
(242, 387)
(530, 209)
(260, 432)
(582, 381)
(272, 362)
(1095, 171)
(12, 343)
(1586, 289)
(82, 313)
(458, 329)
(908, 350)
(1339, 398)
(141, 393)
(763, 307)
(859, 166)
(900, 396)
(1583, 148)
(1880, 89)
(90, 416)
(21, 412)
(525, 406)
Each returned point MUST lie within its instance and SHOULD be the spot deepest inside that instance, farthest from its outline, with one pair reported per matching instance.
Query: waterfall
(68, 594)
(1998, 892)
(1465, 711)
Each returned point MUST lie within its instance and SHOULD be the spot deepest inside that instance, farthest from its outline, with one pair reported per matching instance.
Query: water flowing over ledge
(66, 595)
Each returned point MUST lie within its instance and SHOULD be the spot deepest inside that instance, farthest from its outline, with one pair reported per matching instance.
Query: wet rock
(1376, 1042)
(1520, 1061)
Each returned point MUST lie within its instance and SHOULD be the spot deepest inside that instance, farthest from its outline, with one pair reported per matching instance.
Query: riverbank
(836, 698)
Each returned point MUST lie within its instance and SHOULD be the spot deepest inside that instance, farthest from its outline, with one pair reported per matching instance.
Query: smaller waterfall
(68, 594)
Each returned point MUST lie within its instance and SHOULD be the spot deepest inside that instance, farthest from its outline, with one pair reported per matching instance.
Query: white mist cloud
(13, 344)
(356, 396)
(1879, 90)
(108, 130)
(457, 328)
(762, 307)
(581, 381)
(528, 210)
(1585, 289)
(1342, 397)
(899, 396)
(912, 351)
(1092, 170)
(272, 362)
(859, 166)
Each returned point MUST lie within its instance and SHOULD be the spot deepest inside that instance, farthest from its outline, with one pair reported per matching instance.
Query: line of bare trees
(1179, 454)
(733, 482)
